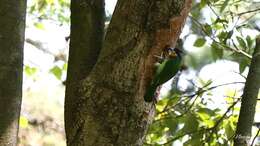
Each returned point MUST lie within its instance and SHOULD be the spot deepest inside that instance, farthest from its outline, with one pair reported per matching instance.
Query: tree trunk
(12, 26)
(108, 106)
(87, 30)
(249, 99)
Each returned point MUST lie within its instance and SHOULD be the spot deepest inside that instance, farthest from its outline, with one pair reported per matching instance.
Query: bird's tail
(150, 93)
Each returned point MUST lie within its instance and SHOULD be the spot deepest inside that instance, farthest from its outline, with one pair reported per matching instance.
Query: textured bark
(87, 29)
(109, 108)
(12, 25)
(249, 99)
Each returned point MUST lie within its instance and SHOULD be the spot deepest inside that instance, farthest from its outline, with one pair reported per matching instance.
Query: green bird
(166, 70)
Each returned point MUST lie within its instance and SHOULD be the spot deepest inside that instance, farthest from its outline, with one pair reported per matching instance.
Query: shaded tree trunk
(106, 105)
(249, 99)
(87, 30)
(12, 26)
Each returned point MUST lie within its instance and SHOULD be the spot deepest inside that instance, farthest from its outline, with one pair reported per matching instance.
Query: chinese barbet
(166, 70)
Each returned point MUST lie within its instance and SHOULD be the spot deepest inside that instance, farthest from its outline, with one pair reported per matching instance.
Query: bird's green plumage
(164, 72)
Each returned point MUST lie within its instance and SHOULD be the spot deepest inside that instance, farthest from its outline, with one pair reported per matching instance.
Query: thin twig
(213, 39)
(211, 88)
(199, 92)
(246, 12)
(253, 141)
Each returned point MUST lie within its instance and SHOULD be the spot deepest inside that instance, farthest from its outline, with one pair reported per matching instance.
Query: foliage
(224, 32)
(55, 10)
(222, 28)
(189, 119)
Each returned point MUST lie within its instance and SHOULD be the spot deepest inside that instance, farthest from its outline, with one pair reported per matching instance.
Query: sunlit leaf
(50, 2)
(29, 71)
(161, 104)
(224, 6)
(57, 72)
(39, 25)
(23, 122)
(65, 66)
(41, 5)
(229, 130)
(230, 95)
(199, 42)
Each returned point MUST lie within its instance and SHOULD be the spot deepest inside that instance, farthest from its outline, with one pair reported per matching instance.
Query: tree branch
(249, 99)
(250, 11)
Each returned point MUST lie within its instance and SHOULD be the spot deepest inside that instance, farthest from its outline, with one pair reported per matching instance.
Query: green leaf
(203, 3)
(218, 20)
(23, 122)
(172, 124)
(208, 29)
(65, 66)
(42, 4)
(199, 42)
(207, 111)
(241, 42)
(30, 70)
(242, 65)
(57, 72)
(222, 36)
(229, 35)
(193, 142)
(229, 130)
(249, 42)
(206, 115)
(203, 115)
(216, 51)
(173, 99)
(49, 2)
(191, 123)
(39, 25)
(160, 106)
(224, 5)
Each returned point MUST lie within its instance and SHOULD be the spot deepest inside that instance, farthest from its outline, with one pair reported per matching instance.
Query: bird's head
(170, 52)
(166, 51)
(178, 52)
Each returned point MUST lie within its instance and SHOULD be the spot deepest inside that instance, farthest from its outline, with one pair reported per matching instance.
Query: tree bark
(87, 30)
(109, 108)
(249, 99)
(12, 26)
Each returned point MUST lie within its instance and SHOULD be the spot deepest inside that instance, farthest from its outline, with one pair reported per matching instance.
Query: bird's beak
(177, 50)
(172, 54)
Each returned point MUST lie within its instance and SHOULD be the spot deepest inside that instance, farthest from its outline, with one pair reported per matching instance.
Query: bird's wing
(166, 71)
